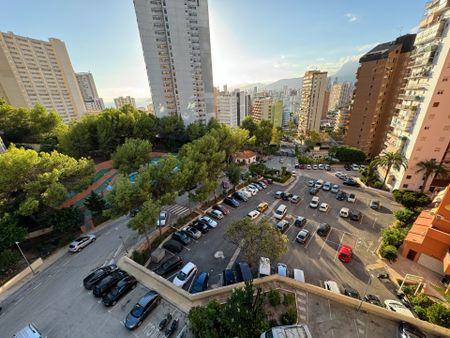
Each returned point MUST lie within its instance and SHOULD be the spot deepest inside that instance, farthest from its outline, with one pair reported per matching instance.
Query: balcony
(410, 97)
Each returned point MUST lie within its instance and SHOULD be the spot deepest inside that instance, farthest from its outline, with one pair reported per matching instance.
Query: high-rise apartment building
(177, 52)
(35, 71)
(421, 127)
(339, 95)
(227, 109)
(262, 108)
(243, 106)
(121, 101)
(312, 101)
(342, 119)
(88, 90)
(380, 77)
(277, 113)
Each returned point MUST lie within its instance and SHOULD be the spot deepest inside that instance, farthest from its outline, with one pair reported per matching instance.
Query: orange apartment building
(379, 78)
(428, 241)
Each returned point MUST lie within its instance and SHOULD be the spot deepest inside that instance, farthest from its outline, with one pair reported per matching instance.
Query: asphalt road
(56, 301)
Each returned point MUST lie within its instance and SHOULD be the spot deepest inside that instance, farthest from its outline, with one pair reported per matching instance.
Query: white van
(299, 275)
(280, 212)
(29, 331)
(264, 267)
(332, 286)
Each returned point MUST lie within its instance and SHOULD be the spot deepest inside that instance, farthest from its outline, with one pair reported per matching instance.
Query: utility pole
(26, 260)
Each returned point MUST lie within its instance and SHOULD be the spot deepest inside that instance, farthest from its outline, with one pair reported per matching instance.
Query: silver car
(81, 242)
(162, 219)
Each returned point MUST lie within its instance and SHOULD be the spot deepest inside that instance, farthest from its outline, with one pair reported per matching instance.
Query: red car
(222, 209)
(345, 253)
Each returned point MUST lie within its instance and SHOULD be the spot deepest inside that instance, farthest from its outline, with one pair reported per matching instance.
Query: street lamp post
(365, 291)
(123, 243)
(26, 260)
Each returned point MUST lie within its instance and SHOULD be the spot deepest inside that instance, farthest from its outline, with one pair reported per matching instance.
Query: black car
(142, 309)
(204, 228)
(313, 191)
(324, 229)
(373, 299)
(181, 237)
(122, 287)
(355, 215)
(173, 246)
(285, 196)
(240, 196)
(97, 275)
(231, 202)
(351, 182)
(102, 287)
(229, 277)
(300, 221)
(341, 196)
(410, 331)
(348, 291)
(200, 283)
(169, 265)
(347, 167)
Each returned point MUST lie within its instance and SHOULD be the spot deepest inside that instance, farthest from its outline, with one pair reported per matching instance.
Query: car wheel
(114, 303)
(94, 239)
(134, 286)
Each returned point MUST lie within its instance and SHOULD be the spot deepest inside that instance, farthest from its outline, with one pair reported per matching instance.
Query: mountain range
(347, 72)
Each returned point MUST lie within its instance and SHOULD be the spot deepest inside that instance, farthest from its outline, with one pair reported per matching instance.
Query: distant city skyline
(252, 41)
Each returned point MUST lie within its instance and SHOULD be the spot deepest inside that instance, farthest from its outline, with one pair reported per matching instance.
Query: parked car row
(313, 166)
(280, 269)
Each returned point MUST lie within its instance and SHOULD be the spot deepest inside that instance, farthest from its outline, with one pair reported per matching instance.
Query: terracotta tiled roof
(246, 154)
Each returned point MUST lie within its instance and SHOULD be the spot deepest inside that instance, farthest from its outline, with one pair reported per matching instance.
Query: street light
(365, 291)
(123, 243)
(26, 260)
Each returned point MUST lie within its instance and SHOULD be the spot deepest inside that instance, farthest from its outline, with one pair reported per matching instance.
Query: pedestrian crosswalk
(302, 300)
(176, 209)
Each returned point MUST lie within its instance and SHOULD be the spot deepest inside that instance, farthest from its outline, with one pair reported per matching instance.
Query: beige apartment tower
(35, 71)
(379, 78)
(312, 99)
(121, 101)
(262, 108)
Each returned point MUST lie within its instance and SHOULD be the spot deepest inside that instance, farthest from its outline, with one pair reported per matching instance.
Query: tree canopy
(348, 154)
(131, 155)
(411, 199)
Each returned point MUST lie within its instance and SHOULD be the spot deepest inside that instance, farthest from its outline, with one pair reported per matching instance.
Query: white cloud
(351, 17)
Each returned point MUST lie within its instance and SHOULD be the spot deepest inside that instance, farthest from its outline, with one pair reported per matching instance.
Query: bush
(439, 314)
(422, 301)
(288, 299)
(421, 312)
(389, 252)
(394, 236)
(274, 297)
(349, 154)
(411, 199)
(8, 258)
(406, 217)
(139, 257)
(273, 322)
(378, 185)
(289, 317)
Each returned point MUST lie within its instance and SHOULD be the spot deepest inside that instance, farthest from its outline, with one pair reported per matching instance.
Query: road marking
(374, 221)
(326, 239)
(117, 251)
(234, 257)
(307, 244)
(36, 286)
(360, 221)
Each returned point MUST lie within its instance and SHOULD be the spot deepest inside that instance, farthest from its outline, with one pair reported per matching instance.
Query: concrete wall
(185, 301)
(21, 275)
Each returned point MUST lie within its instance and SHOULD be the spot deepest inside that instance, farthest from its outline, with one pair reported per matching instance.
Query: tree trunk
(425, 180)
(387, 173)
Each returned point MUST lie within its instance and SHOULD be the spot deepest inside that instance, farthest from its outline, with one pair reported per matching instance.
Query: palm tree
(428, 168)
(390, 160)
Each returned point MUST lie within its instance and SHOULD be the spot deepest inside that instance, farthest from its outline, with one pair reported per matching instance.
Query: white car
(355, 167)
(338, 174)
(321, 167)
(345, 212)
(314, 202)
(186, 273)
(162, 219)
(254, 186)
(217, 214)
(315, 166)
(246, 193)
(208, 221)
(311, 183)
(324, 207)
(81, 242)
(351, 198)
(253, 214)
(318, 184)
(335, 188)
(308, 166)
(396, 306)
(252, 189)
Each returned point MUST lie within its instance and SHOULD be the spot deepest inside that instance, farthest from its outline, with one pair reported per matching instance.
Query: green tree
(406, 217)
(206, 320)
(65, 219)
(263, 136)
(171, 129)
(411, 199)
(421, 300)
(195, 130)
(33, 182)
(95, 203)
(80, 139)
(145, 219)
(394, 236)
(258, 168)
(145, 127)
(439, 314)
(131, 155)
(10, 232)
(230, 139)
(348, 154)
(124, 197)
(257, 239)
(428, 168)
(389, 252)
(389, 160)
(277, 134)
(234, 174)
(249, 124)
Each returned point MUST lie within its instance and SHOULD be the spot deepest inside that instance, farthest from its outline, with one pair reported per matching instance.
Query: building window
(437, 149)
(440, 92)
(445, 79)
(405, 186)
(436, 104)
(426, 128)
(408, 177)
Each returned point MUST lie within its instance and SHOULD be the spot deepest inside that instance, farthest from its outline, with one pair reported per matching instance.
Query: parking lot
(213, 253)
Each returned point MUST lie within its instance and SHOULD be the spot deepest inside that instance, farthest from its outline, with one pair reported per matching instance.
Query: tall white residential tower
(89, 92)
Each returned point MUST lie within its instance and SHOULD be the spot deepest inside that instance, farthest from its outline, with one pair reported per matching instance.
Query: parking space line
(360, 221)
(312, 236)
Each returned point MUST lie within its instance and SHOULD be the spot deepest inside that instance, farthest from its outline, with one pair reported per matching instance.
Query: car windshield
(137, 311)
(181, 276)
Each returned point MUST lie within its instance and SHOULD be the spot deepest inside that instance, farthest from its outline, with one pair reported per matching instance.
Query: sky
(251, 40)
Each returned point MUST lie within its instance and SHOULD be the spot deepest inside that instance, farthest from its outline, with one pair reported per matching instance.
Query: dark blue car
(142, 309)
(231, 202)
(200, 283)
